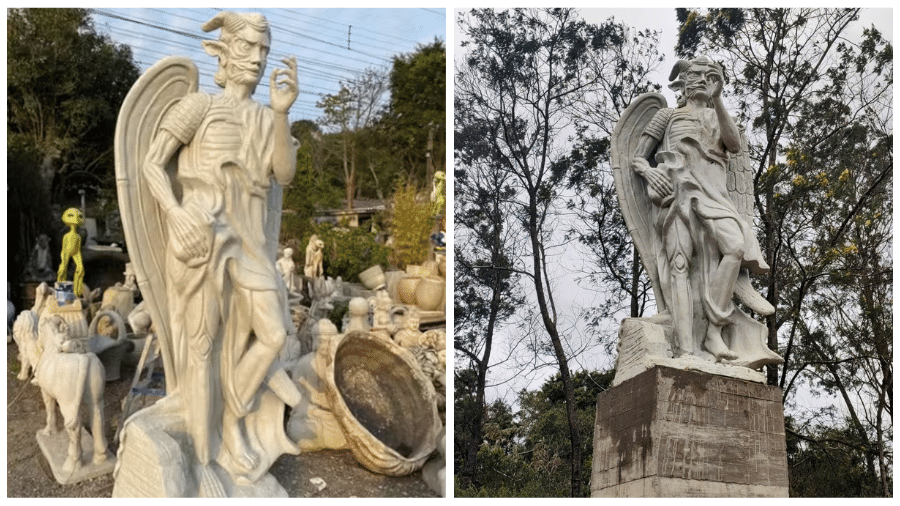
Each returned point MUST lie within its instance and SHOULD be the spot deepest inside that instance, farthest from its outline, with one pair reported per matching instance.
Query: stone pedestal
(55, 448)
(673, 433)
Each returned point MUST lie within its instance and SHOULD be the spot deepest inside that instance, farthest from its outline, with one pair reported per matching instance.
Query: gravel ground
(28, 473)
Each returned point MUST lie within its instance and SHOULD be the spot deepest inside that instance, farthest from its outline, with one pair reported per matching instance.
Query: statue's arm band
(657, 126)
(184, 118)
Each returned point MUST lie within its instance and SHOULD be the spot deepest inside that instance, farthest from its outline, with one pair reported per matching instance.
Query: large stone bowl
(385, 405)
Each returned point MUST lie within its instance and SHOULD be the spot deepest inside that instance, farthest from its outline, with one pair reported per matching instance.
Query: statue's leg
(73, 458)
(50, 408)
(679, 249)
(79, 274)
(236, 443)
(63, 265)
(98, 428)
(730, 241)
(268, 327)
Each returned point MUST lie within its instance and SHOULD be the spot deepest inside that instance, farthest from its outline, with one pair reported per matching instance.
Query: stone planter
(384, 404)
(430, 293)
(372, 278)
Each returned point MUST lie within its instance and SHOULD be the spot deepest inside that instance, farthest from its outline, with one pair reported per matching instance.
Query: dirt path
(29, 475)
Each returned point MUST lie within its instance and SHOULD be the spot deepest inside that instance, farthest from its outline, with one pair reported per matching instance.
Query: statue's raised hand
(190, 237)
(716, 82)
(284, 91)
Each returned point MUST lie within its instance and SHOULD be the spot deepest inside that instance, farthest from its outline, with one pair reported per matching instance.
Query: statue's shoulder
(183, 119)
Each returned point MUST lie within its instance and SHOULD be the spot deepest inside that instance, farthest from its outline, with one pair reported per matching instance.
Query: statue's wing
(631, 188)
(143, 221)
(740, 180)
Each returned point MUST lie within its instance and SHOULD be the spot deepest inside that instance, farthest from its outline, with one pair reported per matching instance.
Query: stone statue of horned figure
(71, 248)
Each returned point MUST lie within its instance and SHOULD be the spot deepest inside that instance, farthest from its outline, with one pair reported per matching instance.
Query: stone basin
(385, 405)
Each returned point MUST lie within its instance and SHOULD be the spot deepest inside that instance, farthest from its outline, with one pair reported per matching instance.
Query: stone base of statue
(644, 343)
(676, 433)
(55, 449)
(156, 456)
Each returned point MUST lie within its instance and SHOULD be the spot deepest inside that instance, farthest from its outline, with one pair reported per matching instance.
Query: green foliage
(827, 462)
(418, 108)
(336, 315)
(526, 454)
(65, 85)
(311, 189)
(348, 251)
(412, 222)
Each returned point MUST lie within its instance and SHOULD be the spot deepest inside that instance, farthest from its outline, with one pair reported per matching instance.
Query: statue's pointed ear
(214, 48)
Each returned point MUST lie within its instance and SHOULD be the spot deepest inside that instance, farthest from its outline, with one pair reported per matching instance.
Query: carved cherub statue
(313, 266)
(71, 249)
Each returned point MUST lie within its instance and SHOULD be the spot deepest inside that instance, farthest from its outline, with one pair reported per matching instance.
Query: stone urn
(430, 293)
(406, 289)
(372, 278)
(385, 405)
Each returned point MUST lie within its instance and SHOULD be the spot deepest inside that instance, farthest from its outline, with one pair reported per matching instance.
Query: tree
(65, 85)
(311, 190)
(613, 263)
(485, 287)
(417, 111)
(524, 74)
(524, 453)
(817, 104)
(351, 111)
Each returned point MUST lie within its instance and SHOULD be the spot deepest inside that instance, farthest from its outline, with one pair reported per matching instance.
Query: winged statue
(199, 179)
(685, 187)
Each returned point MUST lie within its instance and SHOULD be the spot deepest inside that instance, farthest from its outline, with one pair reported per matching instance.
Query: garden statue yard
(203, 244)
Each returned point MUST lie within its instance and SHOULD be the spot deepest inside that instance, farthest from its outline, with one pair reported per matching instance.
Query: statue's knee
(679, 264)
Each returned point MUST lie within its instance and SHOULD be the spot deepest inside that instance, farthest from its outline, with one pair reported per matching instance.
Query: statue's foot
(101, 457)
(715, 345)
(48, 431)
(244, 458)
(71, 464)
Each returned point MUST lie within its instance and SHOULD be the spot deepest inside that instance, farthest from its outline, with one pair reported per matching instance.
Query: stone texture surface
(644, 344)
(673, 433)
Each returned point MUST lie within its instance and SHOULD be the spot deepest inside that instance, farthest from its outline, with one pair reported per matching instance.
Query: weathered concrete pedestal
(673, 433)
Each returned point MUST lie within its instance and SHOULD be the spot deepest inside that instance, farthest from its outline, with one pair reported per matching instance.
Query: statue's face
(699, 80)
(247, 53)
(73, 217)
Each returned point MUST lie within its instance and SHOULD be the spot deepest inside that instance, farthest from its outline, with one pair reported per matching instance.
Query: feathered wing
(741, 192)
(143, 221)
(630, 187)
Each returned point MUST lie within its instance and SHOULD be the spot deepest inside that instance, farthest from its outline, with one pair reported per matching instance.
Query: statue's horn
(680, 66)
(229, 19)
